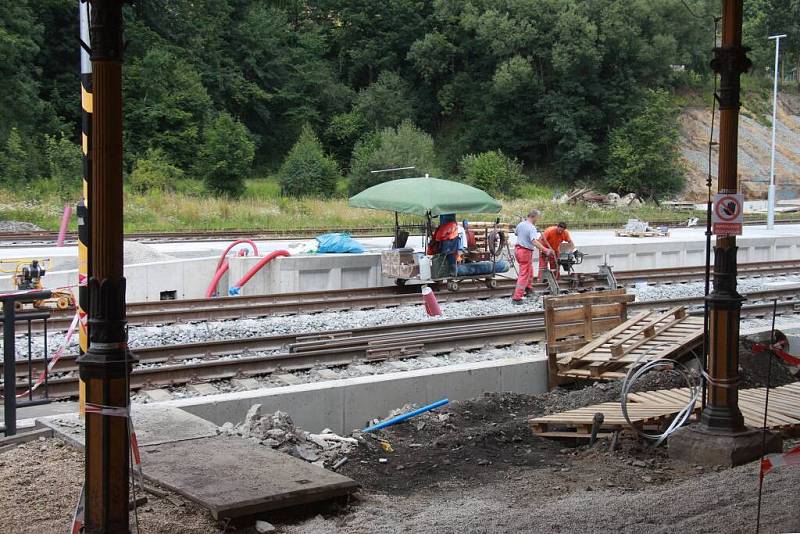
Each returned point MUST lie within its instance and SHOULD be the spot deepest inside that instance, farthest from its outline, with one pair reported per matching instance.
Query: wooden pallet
(625, 233)
(646, 337)
(655, 409)
(572, 321)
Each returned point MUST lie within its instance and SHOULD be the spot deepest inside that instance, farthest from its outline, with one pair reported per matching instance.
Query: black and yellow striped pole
(83, 205)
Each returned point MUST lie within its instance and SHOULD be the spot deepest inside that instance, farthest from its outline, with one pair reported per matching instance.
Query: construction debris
(637, 228)
(278, 431)
(588, 195)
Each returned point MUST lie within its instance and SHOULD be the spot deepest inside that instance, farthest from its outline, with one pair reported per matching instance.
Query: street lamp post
(771, 190)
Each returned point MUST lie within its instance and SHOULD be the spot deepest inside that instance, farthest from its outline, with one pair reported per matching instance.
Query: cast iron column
(721, 412)
(105, 368)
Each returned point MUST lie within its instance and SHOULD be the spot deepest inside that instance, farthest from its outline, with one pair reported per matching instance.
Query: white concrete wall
(145, 281)
(345, 405)
(311, 272)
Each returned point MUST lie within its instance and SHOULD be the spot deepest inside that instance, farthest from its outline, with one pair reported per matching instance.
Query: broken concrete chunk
(262, 527)
(203, 389)
(157, 395)
(253, 414)
(305, 452)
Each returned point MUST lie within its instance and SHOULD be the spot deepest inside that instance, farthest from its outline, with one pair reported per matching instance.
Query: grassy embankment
(262, 207)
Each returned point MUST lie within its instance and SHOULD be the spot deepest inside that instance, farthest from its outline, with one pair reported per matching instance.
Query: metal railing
(10, 319)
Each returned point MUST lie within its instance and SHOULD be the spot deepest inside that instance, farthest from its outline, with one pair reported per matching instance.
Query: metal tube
(771, 190)
(9, 368)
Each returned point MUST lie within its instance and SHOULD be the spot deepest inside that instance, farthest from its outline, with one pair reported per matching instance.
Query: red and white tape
(121, 411)
(53, 359)
(77, 517)
(773, 461)
(777, 350)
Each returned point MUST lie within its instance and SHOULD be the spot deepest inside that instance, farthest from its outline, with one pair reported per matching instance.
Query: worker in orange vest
(552, 239)
(527, 244)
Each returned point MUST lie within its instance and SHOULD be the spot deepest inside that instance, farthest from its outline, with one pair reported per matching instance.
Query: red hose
(222, 265)
(234, 290)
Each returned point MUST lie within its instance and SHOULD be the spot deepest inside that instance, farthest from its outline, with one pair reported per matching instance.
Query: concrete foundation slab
(154, 425)
(696, 445)
(346, 404)
(234, 477)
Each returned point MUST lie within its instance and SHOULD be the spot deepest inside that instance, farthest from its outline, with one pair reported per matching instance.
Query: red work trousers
(524, 258)
(544, 260)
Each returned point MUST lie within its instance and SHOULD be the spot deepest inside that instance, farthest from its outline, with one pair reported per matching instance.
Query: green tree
(386, 102)
(307, 170)
(644, 154)
(165, 107)
(14, 168)
(492, 171)
(404, 146)
(226, 156)
(154, 172)
(64, 164)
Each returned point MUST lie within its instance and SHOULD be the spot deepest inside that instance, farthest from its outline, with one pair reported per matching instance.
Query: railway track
(50, 236)
(225, 359)
(231, 308)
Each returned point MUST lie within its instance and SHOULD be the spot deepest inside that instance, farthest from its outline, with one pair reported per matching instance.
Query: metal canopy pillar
(724, 302)
(721, 437)
(105, 368)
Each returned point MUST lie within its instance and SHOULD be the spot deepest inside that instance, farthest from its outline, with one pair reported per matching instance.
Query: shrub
(307, 170)
(492, 171)
(644, 154)
(154, 172)
(226, 156)
(404, 146)
(13, 160)
(63, 165)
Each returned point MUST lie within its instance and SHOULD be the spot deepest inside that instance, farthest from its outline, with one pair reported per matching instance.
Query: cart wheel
(452, 286)
(491, 283)
(400, 282)
(18, 306)
(62, 303)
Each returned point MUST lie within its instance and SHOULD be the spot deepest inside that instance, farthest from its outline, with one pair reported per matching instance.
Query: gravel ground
(244, 328)
(40, 483)
(18, 226)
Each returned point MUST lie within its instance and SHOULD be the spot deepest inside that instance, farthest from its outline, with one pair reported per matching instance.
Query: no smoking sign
(728, 214)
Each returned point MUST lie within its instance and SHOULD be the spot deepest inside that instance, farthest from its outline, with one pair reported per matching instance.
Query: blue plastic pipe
(407, 415)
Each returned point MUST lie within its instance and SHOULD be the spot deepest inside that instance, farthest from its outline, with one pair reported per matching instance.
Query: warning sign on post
(728, 214)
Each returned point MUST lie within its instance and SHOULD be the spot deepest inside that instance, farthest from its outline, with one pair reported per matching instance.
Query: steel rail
(342, 347)
(255, 306)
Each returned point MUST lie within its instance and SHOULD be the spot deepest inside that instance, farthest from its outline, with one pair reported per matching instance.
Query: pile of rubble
(278, 431)
(588, 195)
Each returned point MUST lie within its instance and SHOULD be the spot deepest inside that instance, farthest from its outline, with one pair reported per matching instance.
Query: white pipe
(771, 190)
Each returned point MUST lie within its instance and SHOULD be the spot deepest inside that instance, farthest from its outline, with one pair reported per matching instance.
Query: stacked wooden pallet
(646, 337)
(655, 409)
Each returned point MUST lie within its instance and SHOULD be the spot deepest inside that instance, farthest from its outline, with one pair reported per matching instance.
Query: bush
(492, 171)
(344, 130)
(307, 170)
(154, 172)
(644, 154)
(226, 156)
(404, 146)
(385, 103)
(13, 161)
(63, 165)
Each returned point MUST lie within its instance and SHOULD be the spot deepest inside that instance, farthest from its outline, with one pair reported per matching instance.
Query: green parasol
(423, 196)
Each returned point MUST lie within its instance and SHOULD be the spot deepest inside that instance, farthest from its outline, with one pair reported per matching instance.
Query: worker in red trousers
(552, 239)
(527, 244)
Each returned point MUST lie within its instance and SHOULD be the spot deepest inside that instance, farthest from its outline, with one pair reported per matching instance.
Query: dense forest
(319, 92)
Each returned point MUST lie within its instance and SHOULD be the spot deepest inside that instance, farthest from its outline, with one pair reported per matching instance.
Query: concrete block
(327, 374)
(245, 383)
(157, 395)
(698, 446)
(288, 379)
(203, 389)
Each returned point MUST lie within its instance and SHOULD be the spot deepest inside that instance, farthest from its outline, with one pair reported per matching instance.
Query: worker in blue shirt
(527, 243)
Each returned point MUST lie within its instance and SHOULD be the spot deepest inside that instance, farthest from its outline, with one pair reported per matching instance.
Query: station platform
(188, 267)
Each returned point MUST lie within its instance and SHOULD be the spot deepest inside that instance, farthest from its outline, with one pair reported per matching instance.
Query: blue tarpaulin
(338, 244)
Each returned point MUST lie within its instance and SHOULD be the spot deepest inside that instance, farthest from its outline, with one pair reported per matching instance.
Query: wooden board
(658, 408)
(646, 337)
(235, 477)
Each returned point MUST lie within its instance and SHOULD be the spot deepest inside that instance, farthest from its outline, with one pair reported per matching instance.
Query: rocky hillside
(754, 151)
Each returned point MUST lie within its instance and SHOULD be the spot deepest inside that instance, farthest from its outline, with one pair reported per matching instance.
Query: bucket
(429, 300)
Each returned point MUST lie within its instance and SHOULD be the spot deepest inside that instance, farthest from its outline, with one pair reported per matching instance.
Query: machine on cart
(453, 252)
(28, 274)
